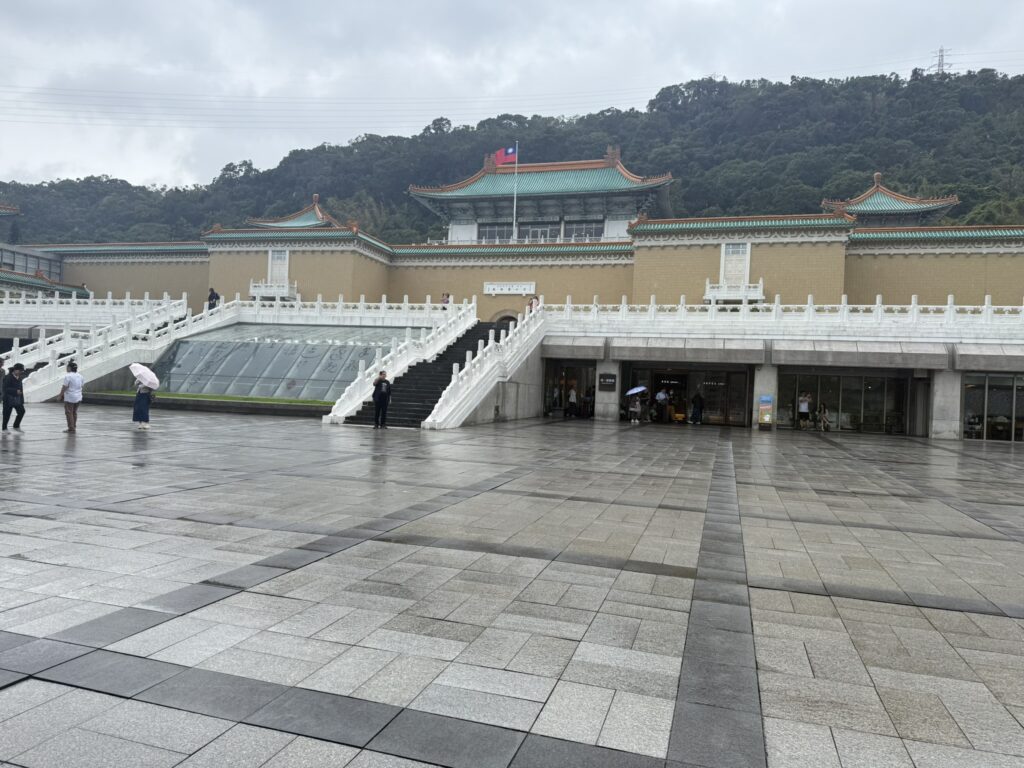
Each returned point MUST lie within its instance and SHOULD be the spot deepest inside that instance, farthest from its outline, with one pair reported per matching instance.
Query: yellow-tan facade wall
(932, 277)
(793, 270)
(607, 281)
(138, 278)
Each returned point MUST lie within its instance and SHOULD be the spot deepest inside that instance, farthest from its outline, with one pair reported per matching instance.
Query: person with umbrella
(634, 404)
(146, 383)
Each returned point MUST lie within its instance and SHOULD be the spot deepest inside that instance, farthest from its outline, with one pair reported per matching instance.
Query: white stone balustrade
(54, 311)
(458, 320)
(865, 322)
(145, 336)
(494, 363)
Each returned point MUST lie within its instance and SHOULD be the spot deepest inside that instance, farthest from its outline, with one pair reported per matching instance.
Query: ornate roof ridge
(611, 159)
(838, 216)
(45, 246)
(398, 247)
(9, 210)
(38, 277)
(879, 188)
(947, 228)
(325, 219)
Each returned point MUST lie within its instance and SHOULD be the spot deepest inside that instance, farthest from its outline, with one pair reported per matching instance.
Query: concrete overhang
(662, 350)
(861, 354)
(573, 347)
(989, 357)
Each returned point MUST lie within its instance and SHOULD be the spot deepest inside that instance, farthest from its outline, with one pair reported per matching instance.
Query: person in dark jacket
(14, 396)
(213, 299)
(381, 398)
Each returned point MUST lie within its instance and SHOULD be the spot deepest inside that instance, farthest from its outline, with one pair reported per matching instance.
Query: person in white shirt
(71, 394)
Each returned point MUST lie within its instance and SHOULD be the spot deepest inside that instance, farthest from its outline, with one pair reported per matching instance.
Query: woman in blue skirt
(143, 397)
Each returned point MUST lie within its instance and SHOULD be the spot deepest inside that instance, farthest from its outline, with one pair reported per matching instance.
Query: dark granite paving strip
(920, 600)
(38, 655)
(717, 719)
(561, 556)
(792, 518)
(1002, 529)
(435, 739)
(113, 627)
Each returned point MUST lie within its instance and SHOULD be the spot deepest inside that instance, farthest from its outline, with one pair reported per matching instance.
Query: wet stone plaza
(255, 591)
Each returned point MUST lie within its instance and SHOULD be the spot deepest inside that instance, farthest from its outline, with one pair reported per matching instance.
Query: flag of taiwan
(505, 155)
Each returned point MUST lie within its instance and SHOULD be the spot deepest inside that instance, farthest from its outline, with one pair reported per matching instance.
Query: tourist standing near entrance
(634, 411)
(571, 403)
(71, 394)
(803, 408)
(143, 399)
(14, 396)
(661, 401)
(698, 407)
(381, 399)
(212, 299)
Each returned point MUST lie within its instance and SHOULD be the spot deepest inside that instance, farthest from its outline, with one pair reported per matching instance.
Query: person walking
(71, 394)
(143, 399)
(381, 400)
(661, 402)
(571, 404)
(14, 396)
(446, 299)
(803, 407)
(824, 417)
(213, 299)
(634, 410)
(697, 401)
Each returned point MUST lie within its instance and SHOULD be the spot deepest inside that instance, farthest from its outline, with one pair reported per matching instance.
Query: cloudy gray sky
(169, 92)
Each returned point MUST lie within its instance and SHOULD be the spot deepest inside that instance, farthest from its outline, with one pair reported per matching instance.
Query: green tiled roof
(305, 219)
(101, 248)
(933, 234)
(881, 203)
(811, 221)
(564, 181)
(30, 282)
(505, 250)
(323, 233)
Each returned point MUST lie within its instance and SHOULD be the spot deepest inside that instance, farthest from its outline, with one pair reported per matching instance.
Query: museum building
(583, 229)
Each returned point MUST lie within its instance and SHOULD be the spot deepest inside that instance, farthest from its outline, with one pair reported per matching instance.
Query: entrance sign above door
(509, 289)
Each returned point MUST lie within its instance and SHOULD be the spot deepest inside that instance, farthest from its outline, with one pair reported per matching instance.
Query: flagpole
(515, 195)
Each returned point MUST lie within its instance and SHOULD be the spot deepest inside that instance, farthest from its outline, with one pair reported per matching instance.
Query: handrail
(493, 363)
(402, 357)
(878, 321)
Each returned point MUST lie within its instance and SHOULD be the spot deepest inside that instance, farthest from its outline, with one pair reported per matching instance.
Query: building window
(277, 269)
(541, 230)
(584, 230)
(735, 267)
(494, 232)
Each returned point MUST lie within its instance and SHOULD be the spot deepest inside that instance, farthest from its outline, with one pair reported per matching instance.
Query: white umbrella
(636, 391)
(144, 375)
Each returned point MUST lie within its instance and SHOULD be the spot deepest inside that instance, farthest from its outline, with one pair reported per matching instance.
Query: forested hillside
(734, 148)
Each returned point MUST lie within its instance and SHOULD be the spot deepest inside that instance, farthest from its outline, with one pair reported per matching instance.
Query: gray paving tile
(187, 598)
(213, 693)
(310, 753)
(246, 576)
(85, 749)
(447, 741)
(325, 716)
(290, 559)
(10, 678)
(722, 738)
(10, 640)
(244, 746)
(108, 629)
(37, 655)
(114, 673)
(543, 752)
(728, 686)
(478, 706)
(163, 727)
